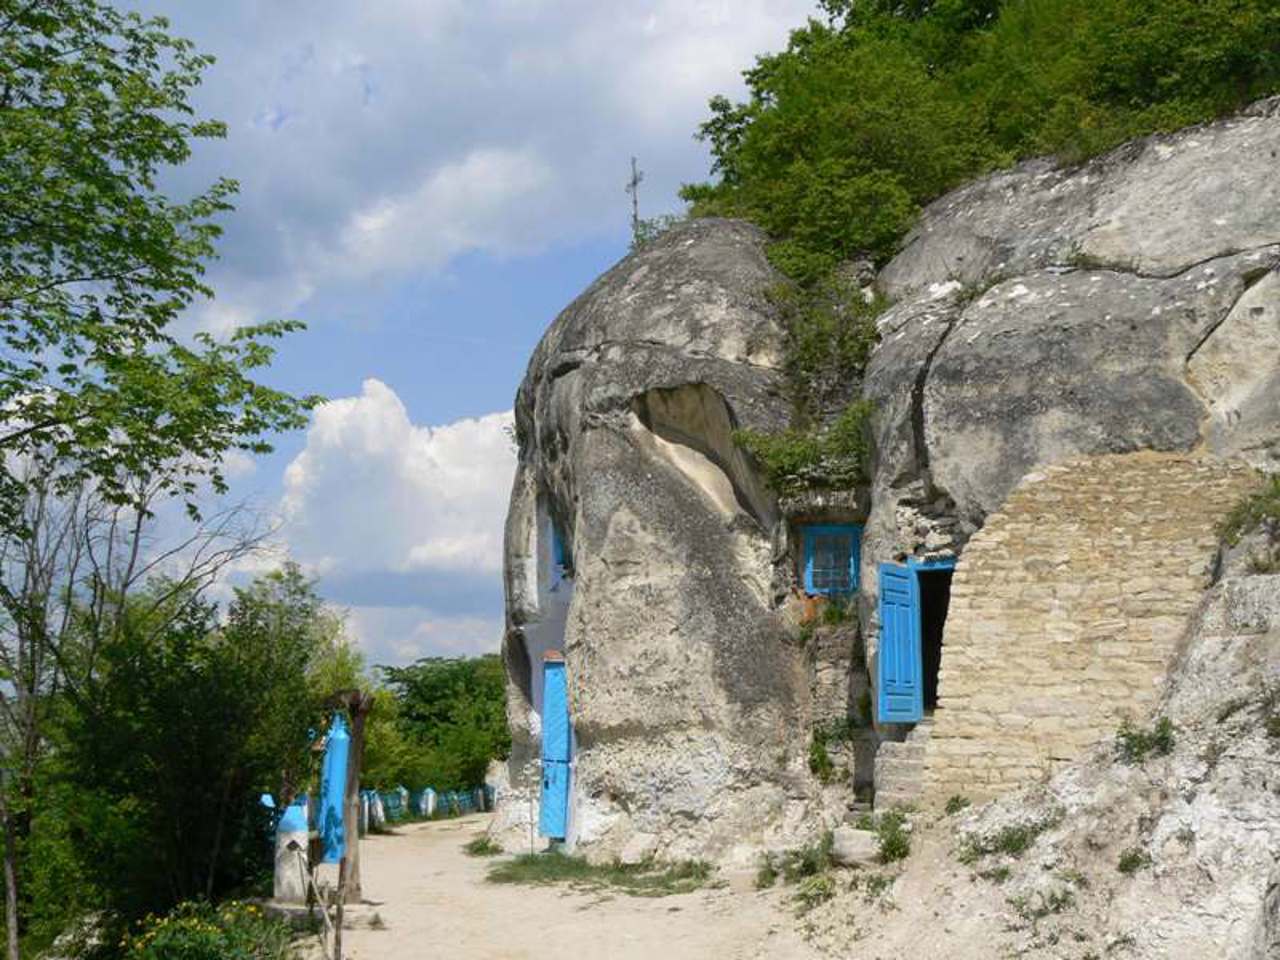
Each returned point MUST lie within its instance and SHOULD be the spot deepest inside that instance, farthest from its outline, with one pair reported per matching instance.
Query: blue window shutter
(855, 558)
(555, 712)
(808, 561)
(900, 669)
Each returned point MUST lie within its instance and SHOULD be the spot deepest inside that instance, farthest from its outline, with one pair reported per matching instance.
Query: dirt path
(432, 900)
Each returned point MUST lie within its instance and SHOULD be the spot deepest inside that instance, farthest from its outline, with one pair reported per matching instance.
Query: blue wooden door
(901, 668)
(555, 712)
(553, 815)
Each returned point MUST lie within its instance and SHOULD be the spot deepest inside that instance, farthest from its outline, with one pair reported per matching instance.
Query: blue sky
(427, 183)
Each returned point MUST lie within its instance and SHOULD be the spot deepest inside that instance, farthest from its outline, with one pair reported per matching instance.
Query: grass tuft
(648, 879)
(481, 846)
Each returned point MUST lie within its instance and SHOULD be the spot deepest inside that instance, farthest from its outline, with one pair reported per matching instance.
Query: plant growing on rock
(1132, 860)
(1012, 840)
(1135, 744)
(893, 836)
(800, 459)
(814, 890)
(1262, 507)
(830, 332)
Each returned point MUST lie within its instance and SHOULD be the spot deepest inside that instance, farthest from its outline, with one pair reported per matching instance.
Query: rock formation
(1040, 317)
(687, 690)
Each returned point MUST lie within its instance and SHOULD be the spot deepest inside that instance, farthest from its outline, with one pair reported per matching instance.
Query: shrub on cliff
(886, 104)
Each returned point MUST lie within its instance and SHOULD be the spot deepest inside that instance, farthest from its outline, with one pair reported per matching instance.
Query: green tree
(454, 710)
(178, 735)
(885, 104)
(96, 263)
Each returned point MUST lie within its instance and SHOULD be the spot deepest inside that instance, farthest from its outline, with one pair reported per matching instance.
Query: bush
(886, 105)
(198, 931)
(797, 460)
(814, 890)
(808, 861)
(892, 835)
(1134, 745)
(955, 804)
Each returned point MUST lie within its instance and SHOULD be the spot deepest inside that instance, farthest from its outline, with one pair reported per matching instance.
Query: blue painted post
(333, 789)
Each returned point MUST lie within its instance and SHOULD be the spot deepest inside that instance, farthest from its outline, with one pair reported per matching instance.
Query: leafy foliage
(181, 731)
(454, 713)
(1258, 511)
(798, 459)
(199, 931)
(884, 105)
(893, 837)
(649, 229)
(824, 735)
(1134, 744)
(830, 332)
(96, 263)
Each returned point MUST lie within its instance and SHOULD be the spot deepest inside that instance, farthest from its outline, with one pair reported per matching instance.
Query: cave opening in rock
(555, 594)
(935, 597)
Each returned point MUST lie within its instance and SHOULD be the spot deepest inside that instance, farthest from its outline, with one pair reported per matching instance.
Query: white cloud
(390, 136)
(474, 203)
(399, 635)
(372, 491)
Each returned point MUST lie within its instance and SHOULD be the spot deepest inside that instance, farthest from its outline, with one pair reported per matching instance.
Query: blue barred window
(832, 553)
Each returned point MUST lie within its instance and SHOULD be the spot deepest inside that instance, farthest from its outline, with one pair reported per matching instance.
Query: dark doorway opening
(935, 597)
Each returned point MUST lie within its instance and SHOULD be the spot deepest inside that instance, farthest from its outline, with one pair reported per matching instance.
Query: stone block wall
(1065, 609)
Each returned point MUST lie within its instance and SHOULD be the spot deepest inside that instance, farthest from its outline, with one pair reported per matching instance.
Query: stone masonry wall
(1065, 609)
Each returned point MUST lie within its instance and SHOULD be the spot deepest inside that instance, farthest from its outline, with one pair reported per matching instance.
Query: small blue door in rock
(553, 816)
(901, 671)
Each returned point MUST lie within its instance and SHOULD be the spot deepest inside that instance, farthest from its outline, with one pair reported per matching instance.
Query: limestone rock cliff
(686, 688)
(1040, 316)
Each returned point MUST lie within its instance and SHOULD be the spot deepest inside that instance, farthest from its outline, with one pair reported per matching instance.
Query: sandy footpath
(432, 901)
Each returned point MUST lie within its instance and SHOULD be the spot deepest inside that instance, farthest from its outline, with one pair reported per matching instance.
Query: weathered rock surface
(854, 848)
(1198, 831)
(689, 694)
(1132, 303)
(1040, 315)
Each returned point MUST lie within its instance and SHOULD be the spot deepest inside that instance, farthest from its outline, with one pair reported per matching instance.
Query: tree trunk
(359, 705)
(10, 883)
(216, 852)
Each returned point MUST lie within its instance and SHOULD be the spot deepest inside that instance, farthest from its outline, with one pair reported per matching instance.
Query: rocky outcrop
(689, 693)
(1040, 315)
(1171, 856)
